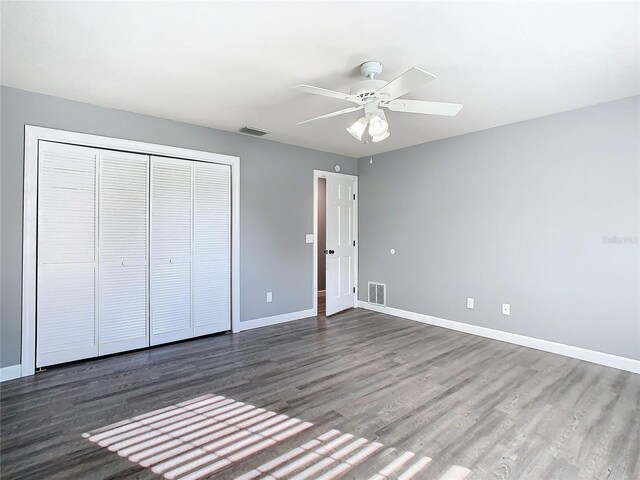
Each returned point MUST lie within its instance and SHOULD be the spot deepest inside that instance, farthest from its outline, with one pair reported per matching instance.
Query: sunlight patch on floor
(197, 438)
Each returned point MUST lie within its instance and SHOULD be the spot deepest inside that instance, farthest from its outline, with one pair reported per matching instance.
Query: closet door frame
(32, 137)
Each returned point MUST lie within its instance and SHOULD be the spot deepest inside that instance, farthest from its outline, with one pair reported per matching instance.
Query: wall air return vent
(256, 132)
(377, 294)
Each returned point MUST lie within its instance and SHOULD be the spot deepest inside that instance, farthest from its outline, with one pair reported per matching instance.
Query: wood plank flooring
(490, 409)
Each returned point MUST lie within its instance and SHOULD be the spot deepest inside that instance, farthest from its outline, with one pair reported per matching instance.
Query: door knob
(331, 252)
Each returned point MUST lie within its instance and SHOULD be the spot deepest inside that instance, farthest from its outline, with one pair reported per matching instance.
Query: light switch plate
(309, 238)
(506, 309)
(470, 303)
(269, 297)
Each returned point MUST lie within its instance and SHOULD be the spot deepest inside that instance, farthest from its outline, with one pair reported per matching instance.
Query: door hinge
(354, 196)
(354, 243)
(354, 289)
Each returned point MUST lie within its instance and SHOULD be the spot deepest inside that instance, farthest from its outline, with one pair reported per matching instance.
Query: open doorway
(322, 245)
(335, 253)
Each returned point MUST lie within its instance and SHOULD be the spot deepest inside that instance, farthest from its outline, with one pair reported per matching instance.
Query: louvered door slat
(171, 249)
(212, 252)
(66, 302)
(171, 302)
(123, 230)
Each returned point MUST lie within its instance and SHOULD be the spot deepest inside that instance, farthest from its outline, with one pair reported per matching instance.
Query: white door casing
(123, 245)
(73, 266)
(340, 243)
(67, 253)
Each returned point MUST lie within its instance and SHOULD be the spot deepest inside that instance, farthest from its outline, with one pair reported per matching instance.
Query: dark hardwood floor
(449, 404)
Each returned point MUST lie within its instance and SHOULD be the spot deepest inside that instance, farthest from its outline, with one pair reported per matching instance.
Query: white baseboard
(622, 363)
(11, 372)
(285, 317)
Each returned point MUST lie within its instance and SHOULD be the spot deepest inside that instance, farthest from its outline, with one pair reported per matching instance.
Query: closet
(133, 250)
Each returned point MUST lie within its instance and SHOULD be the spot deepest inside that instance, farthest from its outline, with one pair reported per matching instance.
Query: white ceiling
(225, 65)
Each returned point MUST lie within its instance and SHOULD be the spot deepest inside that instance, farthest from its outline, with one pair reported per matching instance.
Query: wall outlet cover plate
(309, 238)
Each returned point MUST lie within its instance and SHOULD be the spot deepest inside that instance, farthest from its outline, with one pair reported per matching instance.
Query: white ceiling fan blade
(424, 107)
(334, 114)
(326, 93)
(409, 80)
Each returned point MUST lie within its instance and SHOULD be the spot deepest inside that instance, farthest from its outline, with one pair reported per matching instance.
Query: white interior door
(67, 219)
(123, 233)
(171, 249)
(212, 248)
(340, 244)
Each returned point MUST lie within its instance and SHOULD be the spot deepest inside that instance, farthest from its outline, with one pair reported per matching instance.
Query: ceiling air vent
(256, 132)
(377, 294)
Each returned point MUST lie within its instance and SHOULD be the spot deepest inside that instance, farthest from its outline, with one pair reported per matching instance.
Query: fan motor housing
(366, 88)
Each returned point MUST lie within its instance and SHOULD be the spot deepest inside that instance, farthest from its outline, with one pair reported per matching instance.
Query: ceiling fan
(371, 95)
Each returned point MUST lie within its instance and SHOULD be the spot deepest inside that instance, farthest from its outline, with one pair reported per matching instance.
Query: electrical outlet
(506, 309)
(269, 297)
(470, 303)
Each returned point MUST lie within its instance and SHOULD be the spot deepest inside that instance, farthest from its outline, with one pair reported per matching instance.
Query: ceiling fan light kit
(378, 125)
(371, 95)
(381, 137)
(358, 128)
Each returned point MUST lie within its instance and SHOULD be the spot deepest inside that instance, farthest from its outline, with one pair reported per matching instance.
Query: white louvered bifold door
(171, 249)
(212, 248)
(67, 219)
(123, 233)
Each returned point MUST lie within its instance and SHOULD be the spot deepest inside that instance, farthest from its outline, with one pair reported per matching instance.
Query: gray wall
(276, 205)
(515, 214)
(322, 232)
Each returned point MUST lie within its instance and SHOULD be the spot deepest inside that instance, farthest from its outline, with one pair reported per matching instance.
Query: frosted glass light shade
(358, 128)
